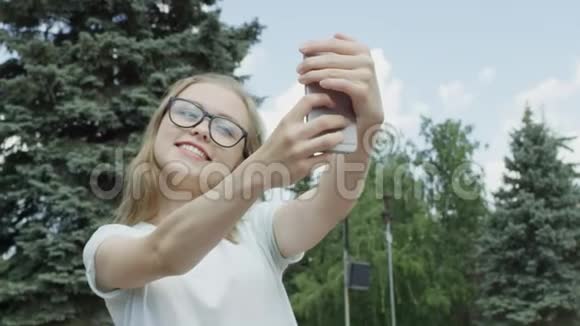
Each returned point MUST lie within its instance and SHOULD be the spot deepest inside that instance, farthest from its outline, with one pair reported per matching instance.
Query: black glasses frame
(211, 118)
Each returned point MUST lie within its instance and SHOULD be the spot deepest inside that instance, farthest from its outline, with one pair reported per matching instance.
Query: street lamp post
(357, 274)
(346, 269)
(389, 240)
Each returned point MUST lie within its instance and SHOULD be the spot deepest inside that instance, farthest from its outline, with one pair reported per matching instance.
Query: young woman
(193, 244)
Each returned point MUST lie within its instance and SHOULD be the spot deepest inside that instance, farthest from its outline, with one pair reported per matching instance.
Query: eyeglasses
(223, 131)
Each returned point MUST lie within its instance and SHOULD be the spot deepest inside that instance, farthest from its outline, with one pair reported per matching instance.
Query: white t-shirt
(232, 285)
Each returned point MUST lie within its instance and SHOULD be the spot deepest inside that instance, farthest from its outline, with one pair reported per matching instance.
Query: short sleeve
(262, 220)
(90, 250)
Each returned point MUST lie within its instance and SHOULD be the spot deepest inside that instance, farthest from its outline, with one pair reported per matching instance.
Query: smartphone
(344, 108)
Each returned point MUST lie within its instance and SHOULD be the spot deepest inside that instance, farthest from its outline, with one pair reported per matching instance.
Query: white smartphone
(344, 108)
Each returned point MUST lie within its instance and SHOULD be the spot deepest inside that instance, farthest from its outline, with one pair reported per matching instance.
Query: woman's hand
(345, 65)
(287, 155)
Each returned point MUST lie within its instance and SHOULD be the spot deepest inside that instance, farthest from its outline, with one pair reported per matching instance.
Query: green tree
(436, 201)
(454, 192)
(422, 297)
(530, 261)
(420, 286)
(83, 80)
(317, 281)
(315, 285)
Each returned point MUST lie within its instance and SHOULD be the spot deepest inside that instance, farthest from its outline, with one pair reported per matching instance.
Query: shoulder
(108, 230)
(262, 211)
(260, 220)
(260, 214)
(120, 229)
(99, 235)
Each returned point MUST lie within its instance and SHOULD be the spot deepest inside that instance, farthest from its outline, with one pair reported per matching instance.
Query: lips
(196, 146)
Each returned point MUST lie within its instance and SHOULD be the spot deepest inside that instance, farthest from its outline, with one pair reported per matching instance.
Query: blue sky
(446, 59)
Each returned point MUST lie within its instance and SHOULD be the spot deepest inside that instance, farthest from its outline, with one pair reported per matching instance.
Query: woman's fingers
(315, 161)
(332, 60)
(314, 76)
(335, 45)
(357, 91)
(327, 122)
(345, 37)
(322, 143)
(306, 104)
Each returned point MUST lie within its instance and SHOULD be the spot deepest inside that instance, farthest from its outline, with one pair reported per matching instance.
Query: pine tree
(82, 82)
(530, 248)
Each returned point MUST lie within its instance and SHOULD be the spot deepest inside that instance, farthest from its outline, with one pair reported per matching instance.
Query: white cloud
(454, 95)
(249, 64)
(421, 107)
(554, 101)
(274, 109)
(493, 174)
(391, 89)
(402, 116)
(550, 91)
(574, 156)
(486, 75)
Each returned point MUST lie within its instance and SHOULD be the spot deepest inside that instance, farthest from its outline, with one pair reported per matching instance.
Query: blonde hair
(132, 211)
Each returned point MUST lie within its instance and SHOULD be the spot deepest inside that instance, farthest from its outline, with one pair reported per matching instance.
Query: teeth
(194, 150)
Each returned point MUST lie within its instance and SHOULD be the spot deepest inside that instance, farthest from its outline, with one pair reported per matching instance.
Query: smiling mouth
(193, 151)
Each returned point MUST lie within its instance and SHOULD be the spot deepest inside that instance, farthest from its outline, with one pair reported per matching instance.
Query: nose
(201, 129)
